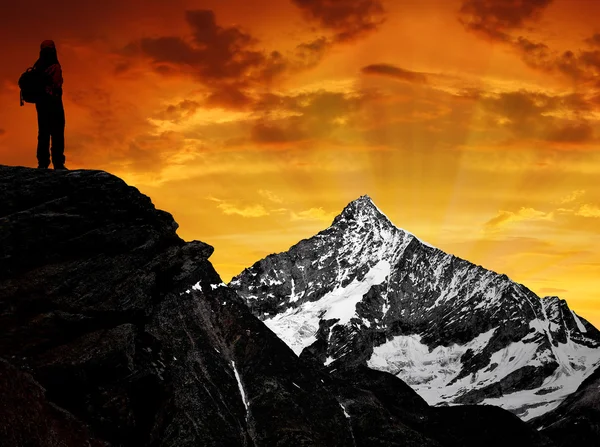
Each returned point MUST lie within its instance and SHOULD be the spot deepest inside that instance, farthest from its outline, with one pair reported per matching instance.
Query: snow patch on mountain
(421, 367)
(578, 322)
(580, 363)
(430, 372)
(297, 326)
(240, 386)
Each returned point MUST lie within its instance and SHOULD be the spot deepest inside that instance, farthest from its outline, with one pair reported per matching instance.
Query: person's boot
(60, 168)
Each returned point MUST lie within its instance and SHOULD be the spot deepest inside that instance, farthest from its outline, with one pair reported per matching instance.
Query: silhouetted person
(50, 111)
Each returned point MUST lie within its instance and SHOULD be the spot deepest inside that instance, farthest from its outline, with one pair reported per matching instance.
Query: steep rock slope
(120, 331)
(384, 411)
(366, 292)
(576, 421)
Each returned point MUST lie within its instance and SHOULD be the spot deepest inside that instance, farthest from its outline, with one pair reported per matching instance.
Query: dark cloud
(499, 20)
(594, 40)
(534, 54)
(495, 19)
(230, 97)
(176, 112)
(348, 19)
(395, 72)
(215, 53)
(224, 59)
(534, 115)
(581, 66)
(309, 54)
(572, 133)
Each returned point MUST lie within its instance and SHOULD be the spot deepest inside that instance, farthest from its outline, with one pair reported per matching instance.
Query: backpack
(32, 84)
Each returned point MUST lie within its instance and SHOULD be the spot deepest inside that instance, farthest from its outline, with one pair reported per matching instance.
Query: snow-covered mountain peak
(361, 212)
(366, 292)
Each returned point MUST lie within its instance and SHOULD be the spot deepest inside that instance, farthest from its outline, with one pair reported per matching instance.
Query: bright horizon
(474, 125)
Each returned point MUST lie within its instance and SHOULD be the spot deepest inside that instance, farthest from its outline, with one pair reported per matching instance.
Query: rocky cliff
(115, 332)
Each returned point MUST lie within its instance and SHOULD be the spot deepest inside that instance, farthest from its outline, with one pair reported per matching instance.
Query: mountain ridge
(399, 290)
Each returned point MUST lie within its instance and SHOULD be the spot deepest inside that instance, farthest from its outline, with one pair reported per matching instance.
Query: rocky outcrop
(364, 292)
(121, 328)
(384, 411)
(115, 332)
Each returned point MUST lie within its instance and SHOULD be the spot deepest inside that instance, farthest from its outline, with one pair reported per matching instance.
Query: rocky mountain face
(115, 332)
(364, 292)
(576, 421)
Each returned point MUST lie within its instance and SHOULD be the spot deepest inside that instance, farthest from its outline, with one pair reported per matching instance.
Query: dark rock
(384, 411)
(27, 418)
(576, 421)
(527, 377)
(131, 332)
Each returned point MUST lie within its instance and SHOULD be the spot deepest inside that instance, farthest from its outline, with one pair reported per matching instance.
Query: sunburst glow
(255, 123)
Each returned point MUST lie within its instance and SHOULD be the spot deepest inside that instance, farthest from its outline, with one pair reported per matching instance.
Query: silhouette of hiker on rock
(50, 110)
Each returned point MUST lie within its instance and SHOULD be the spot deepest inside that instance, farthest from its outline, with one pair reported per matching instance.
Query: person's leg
(43, 145)
(58, 135)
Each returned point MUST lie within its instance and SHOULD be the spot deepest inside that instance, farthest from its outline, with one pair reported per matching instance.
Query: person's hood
(47, 44)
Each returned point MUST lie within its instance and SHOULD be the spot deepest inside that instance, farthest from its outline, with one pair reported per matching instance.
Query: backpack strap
(21, 98)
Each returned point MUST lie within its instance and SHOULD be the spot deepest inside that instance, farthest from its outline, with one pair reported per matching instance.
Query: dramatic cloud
(534, 54)
(216, 54)
(495, 19)
(580, 66)
(395, 72)
(177, 112)
(541, 116)
(348, 19)
(222, 58)
(309, 54)
(501, 20)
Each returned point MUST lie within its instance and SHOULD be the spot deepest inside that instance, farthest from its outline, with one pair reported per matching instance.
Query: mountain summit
(361, 210)
(366, 292)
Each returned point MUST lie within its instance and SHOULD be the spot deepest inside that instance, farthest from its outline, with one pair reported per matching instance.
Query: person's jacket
(54, 80)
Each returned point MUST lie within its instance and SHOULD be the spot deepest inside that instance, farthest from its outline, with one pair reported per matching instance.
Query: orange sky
(474, 124)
